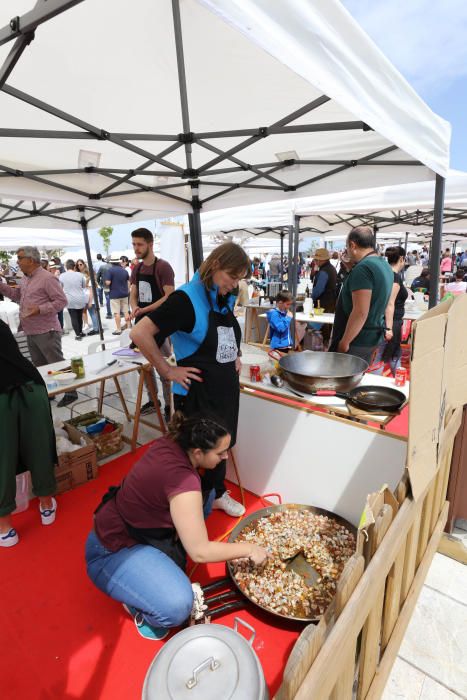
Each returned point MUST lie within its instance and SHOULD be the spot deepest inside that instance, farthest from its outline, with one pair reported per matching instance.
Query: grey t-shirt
(74, 286)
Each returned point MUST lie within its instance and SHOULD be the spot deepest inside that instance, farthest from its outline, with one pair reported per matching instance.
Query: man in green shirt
(359, 320)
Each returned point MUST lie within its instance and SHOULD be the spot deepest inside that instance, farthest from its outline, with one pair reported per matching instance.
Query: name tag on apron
(227, 350)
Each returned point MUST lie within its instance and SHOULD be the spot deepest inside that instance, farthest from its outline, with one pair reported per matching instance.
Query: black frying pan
(374, 399)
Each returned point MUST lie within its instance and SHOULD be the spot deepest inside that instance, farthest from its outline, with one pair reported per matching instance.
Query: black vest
(327, 300)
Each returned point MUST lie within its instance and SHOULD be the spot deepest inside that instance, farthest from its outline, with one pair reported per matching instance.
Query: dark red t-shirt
(164, 274)
(143, 499)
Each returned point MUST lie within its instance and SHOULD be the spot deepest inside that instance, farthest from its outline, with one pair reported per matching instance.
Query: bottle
(307, 292)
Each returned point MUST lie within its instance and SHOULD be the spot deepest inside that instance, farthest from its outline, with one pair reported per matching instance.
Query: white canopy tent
(13, 238)
(249, 100)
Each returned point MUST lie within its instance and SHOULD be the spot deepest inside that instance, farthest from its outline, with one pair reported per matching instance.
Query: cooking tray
(300, 565)
(312, 371)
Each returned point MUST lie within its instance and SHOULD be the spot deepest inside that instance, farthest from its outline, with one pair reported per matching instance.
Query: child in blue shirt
(279, 322)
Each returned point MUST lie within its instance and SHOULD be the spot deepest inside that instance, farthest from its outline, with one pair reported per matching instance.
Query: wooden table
(332, 404)
(252, 317)
(97, 372)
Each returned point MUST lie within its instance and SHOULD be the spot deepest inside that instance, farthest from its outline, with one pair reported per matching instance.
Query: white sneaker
(9, 539)
(228, 505)
(48, 514)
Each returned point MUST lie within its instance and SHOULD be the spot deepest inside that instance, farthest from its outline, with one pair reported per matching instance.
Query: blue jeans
(107, 303)
(144, 578)
(93, 314)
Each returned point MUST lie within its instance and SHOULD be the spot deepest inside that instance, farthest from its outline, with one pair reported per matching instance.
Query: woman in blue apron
(206, 339)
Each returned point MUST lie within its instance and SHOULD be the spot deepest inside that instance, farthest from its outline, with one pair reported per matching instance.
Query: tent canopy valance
(166, 107)
(397, 208)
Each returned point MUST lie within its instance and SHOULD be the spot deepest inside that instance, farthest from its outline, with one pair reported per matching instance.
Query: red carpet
(62, 639)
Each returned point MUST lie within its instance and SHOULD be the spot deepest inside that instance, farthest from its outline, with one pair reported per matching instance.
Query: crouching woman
(144, 528)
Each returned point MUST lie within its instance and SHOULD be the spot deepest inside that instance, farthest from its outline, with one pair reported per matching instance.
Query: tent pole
(436, 241)
(282, 258)
(290, 260)
(406, 241)
(84, 227)
(295, 273)
(194, 221)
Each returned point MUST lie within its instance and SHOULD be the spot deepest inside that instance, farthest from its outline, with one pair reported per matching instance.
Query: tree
(4, 257)
(106, 234)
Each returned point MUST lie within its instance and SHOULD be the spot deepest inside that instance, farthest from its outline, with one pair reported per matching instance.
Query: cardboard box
(438, 386)
(77, 467)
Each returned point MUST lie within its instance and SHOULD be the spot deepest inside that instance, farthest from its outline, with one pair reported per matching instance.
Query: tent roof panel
(249, 64)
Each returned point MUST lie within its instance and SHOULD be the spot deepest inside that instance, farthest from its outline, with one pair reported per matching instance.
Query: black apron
(219, 393)
(147, 289)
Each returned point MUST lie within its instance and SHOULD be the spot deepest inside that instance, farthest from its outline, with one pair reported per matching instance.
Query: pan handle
(238, 621)
(268, 495)
(374, 367)
(329, 392)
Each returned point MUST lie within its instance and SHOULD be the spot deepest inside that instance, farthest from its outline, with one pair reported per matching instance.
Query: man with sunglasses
(40, 297)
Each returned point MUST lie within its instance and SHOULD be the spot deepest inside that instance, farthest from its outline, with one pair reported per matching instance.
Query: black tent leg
(282, 258)
(435, 253)
(84, 226)
(294, 286)
(194, 221)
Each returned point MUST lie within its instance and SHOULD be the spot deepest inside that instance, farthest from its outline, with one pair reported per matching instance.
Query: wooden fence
(350, 653)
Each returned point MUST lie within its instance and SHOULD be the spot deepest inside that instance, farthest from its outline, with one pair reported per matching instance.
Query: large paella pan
(308, 550)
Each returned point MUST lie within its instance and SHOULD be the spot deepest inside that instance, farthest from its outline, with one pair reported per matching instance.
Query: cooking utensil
(311, 371)
(374, 399)
(207, 662)
(65, 377)
(296, 563)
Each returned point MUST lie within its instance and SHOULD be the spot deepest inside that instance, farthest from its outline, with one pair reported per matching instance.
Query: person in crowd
(279, 320)
(45, 264)
(324, 282)
(275, 268)
(459, 286)
(152, 280)
(104, 290)
(446, 262)
(144, 528)
(206, 339)
(74, 286)
(40, 297)
(58, 262)
(80, 266)
(359, 320)
(324, 291)
(422, 282)
(243, 297)
(83, 268)
(24, 404)
(335, 262)
(116, 280)
(125, 263)
(96, 267)
(389, 349)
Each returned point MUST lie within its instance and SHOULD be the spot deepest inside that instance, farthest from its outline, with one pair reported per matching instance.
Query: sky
(427, 42)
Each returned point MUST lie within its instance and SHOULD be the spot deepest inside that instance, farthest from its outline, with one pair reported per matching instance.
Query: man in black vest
(152, 280)
(324, 287)
(324, 283)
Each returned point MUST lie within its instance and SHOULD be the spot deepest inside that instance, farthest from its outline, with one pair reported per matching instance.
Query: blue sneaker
(144, 628)
(9, 539)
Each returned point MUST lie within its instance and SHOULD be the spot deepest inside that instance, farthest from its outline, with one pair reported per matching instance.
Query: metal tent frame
(265, 176)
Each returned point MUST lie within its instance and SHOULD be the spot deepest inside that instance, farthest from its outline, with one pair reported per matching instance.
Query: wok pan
(374, 399)
(311, 371)
(300, 565)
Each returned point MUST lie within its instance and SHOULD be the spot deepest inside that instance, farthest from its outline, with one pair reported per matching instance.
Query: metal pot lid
(205, 662)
